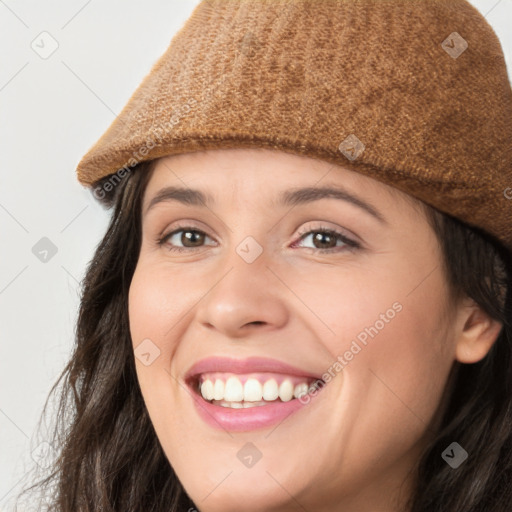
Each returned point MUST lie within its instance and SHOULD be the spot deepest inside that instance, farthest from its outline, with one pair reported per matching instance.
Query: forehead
(263, 172)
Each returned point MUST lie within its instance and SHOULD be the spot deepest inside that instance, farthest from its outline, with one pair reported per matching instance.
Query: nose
(245, 296)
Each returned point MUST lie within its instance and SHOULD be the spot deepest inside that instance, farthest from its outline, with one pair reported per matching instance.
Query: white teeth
(270, 390)
(252, 392)
(218, 390)
(234, 391)
(300, 390)
(236, 405)
(286, 390)
(254, 404)
(207, 389)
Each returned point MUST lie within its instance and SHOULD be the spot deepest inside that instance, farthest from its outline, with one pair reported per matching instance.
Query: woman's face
(257, 286)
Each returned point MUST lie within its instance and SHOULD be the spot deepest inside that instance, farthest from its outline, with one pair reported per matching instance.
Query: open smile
(241, 399)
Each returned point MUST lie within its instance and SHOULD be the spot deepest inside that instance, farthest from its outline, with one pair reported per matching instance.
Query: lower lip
(240, 420)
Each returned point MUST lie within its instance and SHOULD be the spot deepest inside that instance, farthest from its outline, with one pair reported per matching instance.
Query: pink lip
(250, 365)
(239, 420)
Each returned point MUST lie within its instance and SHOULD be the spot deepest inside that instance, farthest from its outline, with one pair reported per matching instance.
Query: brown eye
(184, 238)
(191, 238)
(326, 240)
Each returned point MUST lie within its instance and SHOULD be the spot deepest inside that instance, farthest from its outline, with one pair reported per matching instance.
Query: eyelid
(182, 224)
(351, 242)
(186, 226)
(321, 225)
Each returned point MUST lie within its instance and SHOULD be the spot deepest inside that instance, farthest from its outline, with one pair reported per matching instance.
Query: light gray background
(51, 112)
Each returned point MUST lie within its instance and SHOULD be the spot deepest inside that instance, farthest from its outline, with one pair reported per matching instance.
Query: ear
(478, 333)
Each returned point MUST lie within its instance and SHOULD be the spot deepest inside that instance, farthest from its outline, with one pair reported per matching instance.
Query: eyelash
(350, 245)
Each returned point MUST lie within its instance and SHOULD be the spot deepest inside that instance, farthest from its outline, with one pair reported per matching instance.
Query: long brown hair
(110, 459)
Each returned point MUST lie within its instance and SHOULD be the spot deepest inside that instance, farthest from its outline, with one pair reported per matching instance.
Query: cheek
(400, 376)
(156, 305)
(391, 356)
(154, 316)
(389, 317)
(407, 360)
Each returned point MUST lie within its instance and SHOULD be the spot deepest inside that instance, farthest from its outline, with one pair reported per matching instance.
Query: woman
(302, 301)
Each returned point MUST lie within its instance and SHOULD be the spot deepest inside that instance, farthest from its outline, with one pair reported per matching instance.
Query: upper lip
(241, 366)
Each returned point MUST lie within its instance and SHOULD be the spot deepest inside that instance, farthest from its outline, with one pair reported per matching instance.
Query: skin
(353, 447)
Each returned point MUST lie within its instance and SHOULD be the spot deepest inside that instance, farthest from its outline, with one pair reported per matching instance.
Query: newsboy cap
(413, 93)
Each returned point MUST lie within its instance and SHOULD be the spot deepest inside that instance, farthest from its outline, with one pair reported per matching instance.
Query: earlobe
(477, 336)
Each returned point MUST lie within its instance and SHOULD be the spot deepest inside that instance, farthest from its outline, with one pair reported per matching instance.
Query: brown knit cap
(414, 93)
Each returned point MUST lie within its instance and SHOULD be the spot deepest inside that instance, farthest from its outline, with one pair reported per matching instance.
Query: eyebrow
(292, 197)
(305, 195)
(188, 196)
